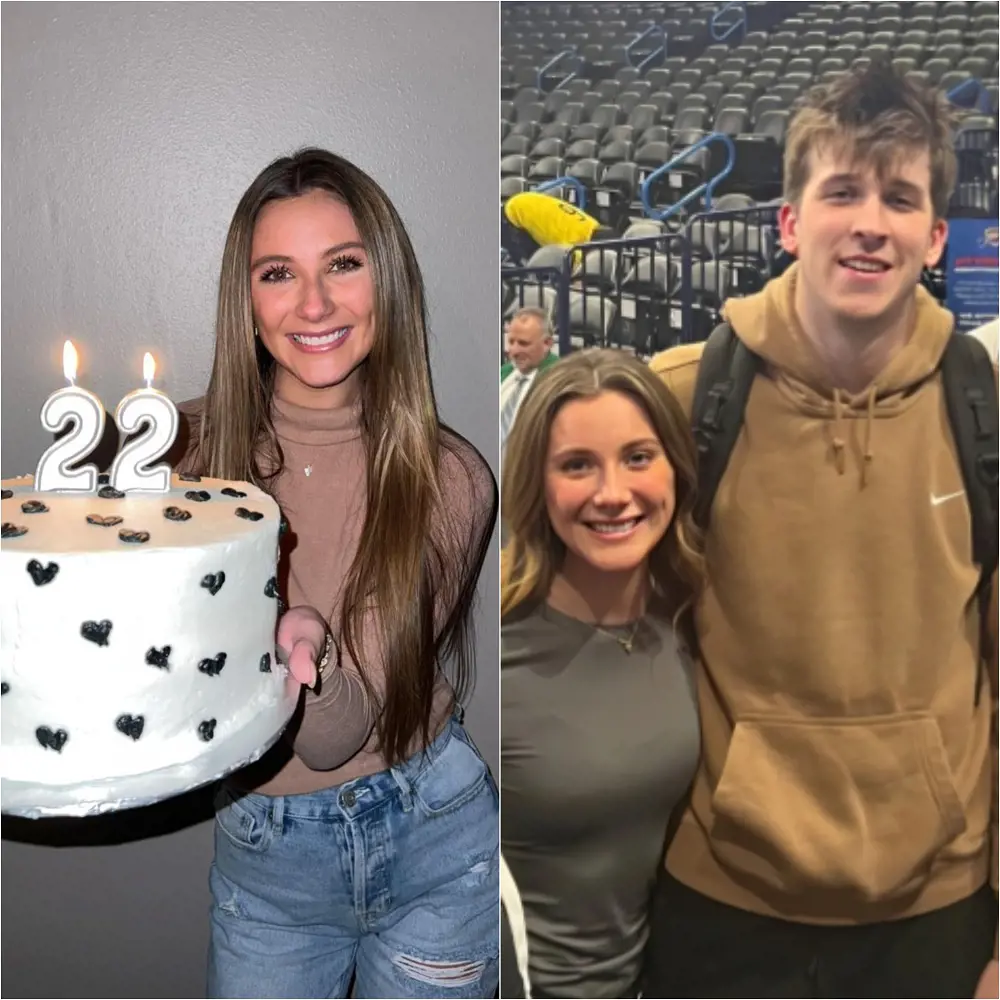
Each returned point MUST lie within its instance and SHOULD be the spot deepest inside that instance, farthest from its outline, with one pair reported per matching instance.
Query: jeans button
(348, 799)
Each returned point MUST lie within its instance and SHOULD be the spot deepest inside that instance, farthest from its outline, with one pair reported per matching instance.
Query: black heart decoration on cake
(4, 688)
(42, 574)
(176, 514)
(188, 477)
(96, 632)
(130, 725)
(228, 491)
(271, 587)
(133, 537)
(103, 478)
(212, 666)
(213, 582)
(198, 496)
(34, 507)
(104, 520)
(6, 494)
(8, 530)
(110, 493)
(158, 657)
(51, 740)
(265, 663)
(248, 515)
(206, 730)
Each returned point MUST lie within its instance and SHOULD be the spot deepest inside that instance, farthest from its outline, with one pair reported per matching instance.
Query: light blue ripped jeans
(391, 879)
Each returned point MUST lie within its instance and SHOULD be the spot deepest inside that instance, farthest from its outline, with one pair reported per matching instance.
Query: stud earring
(255, 332)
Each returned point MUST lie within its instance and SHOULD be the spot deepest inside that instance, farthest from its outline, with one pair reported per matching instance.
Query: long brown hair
(534, 552)
(403, 438)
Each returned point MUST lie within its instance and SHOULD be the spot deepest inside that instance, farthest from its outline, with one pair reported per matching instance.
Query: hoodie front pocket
(859, 807)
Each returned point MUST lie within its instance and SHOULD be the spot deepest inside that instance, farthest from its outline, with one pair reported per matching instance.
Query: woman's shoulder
(466, 477)
(192, 408)
(533, 634)
(524, 633)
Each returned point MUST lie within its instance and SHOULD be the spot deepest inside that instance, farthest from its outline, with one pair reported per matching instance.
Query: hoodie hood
(768, 325)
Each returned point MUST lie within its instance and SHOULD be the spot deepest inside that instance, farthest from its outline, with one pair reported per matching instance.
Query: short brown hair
(533, 312)
(533, 552)
(877, 115)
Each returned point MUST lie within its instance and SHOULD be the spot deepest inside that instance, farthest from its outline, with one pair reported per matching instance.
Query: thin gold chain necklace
(626, 643)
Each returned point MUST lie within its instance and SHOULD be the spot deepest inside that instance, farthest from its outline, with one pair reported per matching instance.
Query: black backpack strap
(725, 376)
(970, 392)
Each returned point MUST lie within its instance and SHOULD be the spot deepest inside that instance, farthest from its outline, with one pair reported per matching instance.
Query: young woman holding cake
(365, 846)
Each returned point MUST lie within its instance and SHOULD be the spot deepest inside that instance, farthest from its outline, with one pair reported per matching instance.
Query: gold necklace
(625, 643)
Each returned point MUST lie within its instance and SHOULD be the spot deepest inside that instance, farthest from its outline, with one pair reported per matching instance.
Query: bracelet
(324, 658)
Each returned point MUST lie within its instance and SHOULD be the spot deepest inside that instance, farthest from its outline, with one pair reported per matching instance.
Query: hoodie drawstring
(839, 445)
(869, 455)
(838, 441)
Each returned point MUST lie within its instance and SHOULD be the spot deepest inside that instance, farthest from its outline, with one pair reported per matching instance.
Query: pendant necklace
(626, 642)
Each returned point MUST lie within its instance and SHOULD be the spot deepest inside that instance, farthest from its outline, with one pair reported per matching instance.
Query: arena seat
(615, 111)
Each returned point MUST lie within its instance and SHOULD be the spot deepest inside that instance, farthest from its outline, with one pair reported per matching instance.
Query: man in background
(528, 343)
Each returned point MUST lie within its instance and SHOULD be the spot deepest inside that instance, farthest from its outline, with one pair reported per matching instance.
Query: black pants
(511, 987)
(518, 244)
(701, 948)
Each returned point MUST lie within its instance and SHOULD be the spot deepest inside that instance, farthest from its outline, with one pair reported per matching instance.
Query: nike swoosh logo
(937, 501)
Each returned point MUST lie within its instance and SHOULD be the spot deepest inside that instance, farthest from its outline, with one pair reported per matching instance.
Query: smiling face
(609, 487)
(862, 239)
(313, 297)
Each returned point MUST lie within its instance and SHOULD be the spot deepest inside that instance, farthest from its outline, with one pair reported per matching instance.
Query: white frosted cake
(137, 653)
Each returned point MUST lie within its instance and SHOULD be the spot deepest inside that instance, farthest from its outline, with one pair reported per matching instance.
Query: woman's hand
(302, 635)
(988, 981)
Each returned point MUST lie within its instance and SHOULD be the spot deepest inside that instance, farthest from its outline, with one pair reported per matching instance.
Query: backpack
(725, 377)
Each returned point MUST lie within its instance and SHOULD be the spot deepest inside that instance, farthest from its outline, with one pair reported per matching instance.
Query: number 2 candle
(131, 468)
(85, 411)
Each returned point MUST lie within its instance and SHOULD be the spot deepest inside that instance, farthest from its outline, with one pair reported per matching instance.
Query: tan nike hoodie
(847, 773)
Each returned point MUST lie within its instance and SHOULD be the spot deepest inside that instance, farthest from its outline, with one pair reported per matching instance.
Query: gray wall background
(129, 132)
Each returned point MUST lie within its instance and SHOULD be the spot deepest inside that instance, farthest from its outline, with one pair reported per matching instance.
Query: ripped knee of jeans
(443, 974)
(230, 906)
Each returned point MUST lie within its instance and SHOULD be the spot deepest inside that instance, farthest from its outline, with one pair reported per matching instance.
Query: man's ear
(939, 237)
(788, 225)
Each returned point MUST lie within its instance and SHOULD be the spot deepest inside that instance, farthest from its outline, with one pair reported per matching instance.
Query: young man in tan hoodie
(840, 838)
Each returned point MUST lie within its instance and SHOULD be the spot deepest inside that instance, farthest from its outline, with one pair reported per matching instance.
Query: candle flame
(148, 368)
(69, 361)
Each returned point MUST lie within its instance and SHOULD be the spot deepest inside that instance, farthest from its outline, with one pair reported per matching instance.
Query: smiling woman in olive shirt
(599, 728)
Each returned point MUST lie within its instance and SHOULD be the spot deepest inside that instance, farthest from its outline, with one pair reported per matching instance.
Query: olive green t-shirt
(598, 745)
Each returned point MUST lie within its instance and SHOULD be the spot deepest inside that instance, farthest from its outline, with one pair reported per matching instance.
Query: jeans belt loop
(277, 814)
(405, 791)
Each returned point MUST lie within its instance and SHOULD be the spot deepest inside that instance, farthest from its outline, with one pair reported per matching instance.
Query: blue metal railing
(607, 301)
(970, 94)
(647, 293)
(520, 286)
(976, 183)
(554, 61)
(653, 29)
(573, 182)
(739, 248)
(722, 29)
(708, 188)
